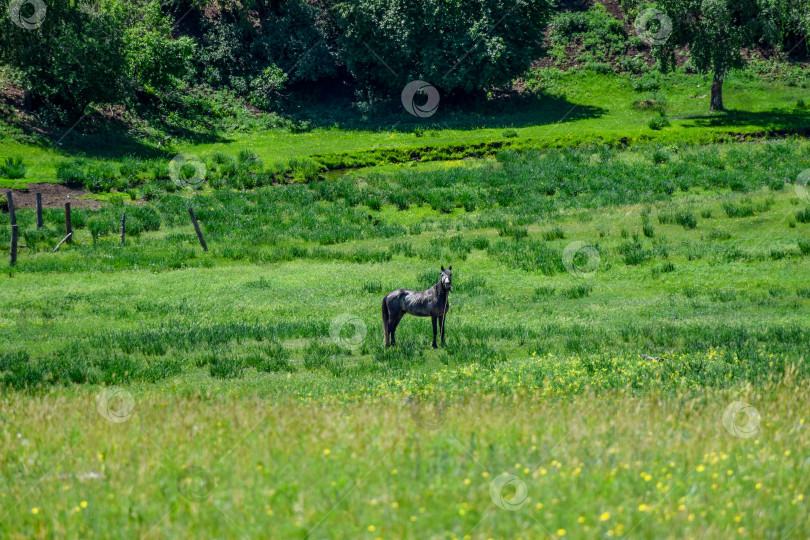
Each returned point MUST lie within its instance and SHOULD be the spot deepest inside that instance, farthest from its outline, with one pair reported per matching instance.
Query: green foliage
(717, 31)
(85, 52)
(76, 57)
(265, 88)
(13, 168)
(593, 36)
(426, 40)
(156, 60)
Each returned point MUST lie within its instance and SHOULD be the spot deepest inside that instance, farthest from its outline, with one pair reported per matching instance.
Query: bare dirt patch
(53, 196)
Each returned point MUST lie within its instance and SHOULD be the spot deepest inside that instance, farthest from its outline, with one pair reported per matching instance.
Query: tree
(81, 52)
(716, 31)
(72, 57)
(456, 45)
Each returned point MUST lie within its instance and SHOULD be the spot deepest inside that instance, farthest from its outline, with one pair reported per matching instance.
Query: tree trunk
(717, 93)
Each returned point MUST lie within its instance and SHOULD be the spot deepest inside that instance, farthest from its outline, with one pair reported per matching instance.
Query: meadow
(558, 109)
(611, 308)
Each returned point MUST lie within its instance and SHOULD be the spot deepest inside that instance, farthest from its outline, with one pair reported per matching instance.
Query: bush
(647, 82)
(267, 87)
(155, 59)
(13, 168)
(101, 225)
(578, 291)
(100, 177)
(75, 58)
(686, 219)
(71, 173)
(426, 39)
(659, 122)
(304, 170)
(660, 155)
(594, 31)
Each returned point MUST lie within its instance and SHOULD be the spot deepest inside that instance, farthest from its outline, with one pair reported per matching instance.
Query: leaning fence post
(197, 228)
(14, 232)
(68, 224)
(40, 223)
(123, 225)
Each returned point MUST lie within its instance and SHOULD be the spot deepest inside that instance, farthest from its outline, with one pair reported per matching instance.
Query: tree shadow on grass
(116, 134)
(783, 121)
(105, 137)
(508, 111)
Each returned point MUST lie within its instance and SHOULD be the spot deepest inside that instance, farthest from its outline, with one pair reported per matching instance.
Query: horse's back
(398, 293)
(397, 300)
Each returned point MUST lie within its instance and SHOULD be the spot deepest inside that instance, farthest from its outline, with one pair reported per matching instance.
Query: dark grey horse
(431, 303)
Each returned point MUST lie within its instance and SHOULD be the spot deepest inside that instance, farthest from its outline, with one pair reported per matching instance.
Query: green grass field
(610, 310)
(564, 109)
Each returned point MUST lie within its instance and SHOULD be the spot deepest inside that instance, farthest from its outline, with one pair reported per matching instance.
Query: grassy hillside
(570, 108)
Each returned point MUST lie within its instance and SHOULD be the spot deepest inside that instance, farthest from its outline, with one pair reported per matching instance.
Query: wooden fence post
(123, 226)
(68, 224)
(197, 228)
(14, 231)
(40, 223)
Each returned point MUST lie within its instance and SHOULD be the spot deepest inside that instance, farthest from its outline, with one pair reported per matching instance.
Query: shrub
(659, 122)
(686, 219)
(594, 31)
(634, 253)
(738, 211)
(304, 170)
(659, 156)
(663, 269)
(404, 36)
(71, 173)
(578, 291)
(515, 232)
(224, 367)
(76, 58)
(13, 168)
(647, 82)
(543, 292)
(100, 177)
(803, 216)
(101, 225)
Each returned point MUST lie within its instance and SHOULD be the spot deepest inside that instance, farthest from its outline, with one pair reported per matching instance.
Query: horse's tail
(386, 317)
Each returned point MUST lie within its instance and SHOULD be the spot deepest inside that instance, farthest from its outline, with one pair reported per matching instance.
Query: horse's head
(446, 279)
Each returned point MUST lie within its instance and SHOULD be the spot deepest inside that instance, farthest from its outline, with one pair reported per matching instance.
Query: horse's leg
(434, 332)
(392, 326)
(441, 325)
(385, 317)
